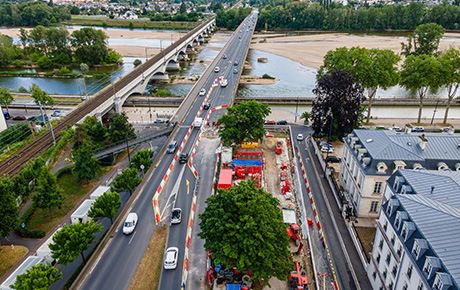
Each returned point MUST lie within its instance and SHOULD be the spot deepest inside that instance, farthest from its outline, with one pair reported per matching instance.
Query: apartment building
(417, 243)
(370, 157)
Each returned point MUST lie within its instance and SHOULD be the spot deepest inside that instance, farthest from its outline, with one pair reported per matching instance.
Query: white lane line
(174, 191)
(130, 240)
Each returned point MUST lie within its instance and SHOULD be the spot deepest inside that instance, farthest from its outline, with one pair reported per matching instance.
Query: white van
(197, 123)
(130, 223)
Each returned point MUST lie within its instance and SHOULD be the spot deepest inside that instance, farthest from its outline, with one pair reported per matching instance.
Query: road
(117, 263)
(341, 248)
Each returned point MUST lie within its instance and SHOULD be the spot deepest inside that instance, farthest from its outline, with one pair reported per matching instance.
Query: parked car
(183, 158)
(333, 159)
(206, 106)
(324, 143)
(202, 92)
(171, 258)
(225, 56)
(235, 63)
(418, 129)
(299, 137)
(172, 147)
(217, 69)
(159, 121)
(130, 223)
(59, 113)
(269, 122)
(395, 128)
(19, 118)
(6, 115)
(176, 214)
(327, 148)
(281, 122)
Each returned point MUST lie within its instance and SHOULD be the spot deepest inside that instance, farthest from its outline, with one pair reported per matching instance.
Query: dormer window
(442, 281)
(407, 230)
(381, 167)
(398, 222)
(457, 166)
(442, 166)
(432, 265)
(437, 284)
(419, 248)
(417, 166)
(416, 249)
(390, 208)
(399, 165)
(404, 233)
(427, 269)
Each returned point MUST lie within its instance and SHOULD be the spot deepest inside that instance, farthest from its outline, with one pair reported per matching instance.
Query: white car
(202, 92)
(130, 223)
(299, 137)
(171, 258)
(224, 83)
(176, 214)
(326, 148)
(217, 69)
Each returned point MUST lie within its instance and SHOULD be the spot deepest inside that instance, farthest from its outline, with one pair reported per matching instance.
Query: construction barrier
(187, 242)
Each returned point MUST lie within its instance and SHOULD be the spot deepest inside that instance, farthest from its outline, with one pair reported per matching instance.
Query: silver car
(171, 258)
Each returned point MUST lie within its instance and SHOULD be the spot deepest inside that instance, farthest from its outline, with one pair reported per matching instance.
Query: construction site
(271, 165)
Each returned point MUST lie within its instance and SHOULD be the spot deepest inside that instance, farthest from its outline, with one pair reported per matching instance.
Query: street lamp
(127, 144)
(329, 137)
(296, 109)
(435, 110)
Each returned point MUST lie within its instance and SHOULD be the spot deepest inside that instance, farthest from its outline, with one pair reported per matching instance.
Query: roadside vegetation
(146, 24)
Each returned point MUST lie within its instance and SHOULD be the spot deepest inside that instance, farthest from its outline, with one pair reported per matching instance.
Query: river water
(295, 80)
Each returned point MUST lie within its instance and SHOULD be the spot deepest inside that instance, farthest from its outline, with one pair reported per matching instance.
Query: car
(172, 147)
(171, 255)
(327, 148)
(224, 83)
(59, 113)
(269, 122)
(19, 118)
(6, 115)
(176, 214)
(217, 69)
(159, 121)
(235, 63)
(206, 106)
(183, 158)
(281, 122)
(324, 143)
(395, 128)
(225, 56)
(240, 36)
(333, 159)
(235, 71)
(299, 137)
(202, 92)
(418, 129)
(130, 223)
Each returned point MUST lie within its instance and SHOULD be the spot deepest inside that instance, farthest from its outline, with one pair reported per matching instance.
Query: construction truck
(297, 279)
(294, 235)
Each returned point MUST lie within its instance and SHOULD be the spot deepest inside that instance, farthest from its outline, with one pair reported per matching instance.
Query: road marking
(188, 186)
(130, 240)
(174, 191)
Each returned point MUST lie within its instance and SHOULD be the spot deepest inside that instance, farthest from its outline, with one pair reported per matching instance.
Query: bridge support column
(173, 66)
(117, 105)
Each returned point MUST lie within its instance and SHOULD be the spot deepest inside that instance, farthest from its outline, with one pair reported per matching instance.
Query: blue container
(217, 268)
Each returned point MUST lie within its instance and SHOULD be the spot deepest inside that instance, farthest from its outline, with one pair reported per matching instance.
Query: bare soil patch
(9, 257)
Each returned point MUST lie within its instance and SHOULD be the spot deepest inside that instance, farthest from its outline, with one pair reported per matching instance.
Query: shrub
(21, 89)
(137, 62)
(17, 63)
(267, 76)
(44, 62)
(64, 170)
(64, 70)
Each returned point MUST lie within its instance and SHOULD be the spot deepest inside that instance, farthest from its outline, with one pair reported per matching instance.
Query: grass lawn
(148, 272)
(98, 21)
(74, 191)
(9, 258)
(367, 236)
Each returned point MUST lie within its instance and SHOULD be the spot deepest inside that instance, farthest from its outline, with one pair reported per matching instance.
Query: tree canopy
(38, 277)
(450, 75)
(338, 95)
(90, 45)
(127, 181)
(6, 98)
(243, 227)
(372, 68)
(41, 96)
(120, 129)
(243, 122)
(48, 195)
(86, 166)
(424, 41)
(72, 240)
(142, 157)
(8, 209)
(106, 205)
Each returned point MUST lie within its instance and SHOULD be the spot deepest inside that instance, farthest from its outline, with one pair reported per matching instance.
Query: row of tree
(231, 18)
(305, 15)
(424, 67)
(32, 13)
(50, 47)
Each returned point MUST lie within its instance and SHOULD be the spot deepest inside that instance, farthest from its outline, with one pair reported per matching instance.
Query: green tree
(40, 276)
(48, 195)
(120, 129)
(84, 68)
(127, 181)
(113, 57)
(338, 100)
(137, 62)
(243, 227)
(142, 157)
(6, 98)
(244, 121)
(37, 40)
(372, 68)
(45, 62)
(90, 45)
(72, 240)
(86, 166)
(419, 74)
(106, 205)
(8, 209)
(41, 96)
(424, 41)
(450, 75)
(6, 50)
(57, 40)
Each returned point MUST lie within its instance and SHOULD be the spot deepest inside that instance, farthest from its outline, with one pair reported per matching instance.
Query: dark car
(6, 115)
(206, 106)
(333, 159)
(235, 63)
(19, 118)
(183, 158)
(281, 122)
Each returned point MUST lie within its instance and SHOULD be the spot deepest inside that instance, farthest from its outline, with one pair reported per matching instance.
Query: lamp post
(434, 112)
(329, 137)
(127, 144)
(296, 109)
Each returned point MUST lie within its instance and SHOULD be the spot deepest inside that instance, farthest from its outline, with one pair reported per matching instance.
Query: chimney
(422, 141)
(451, 130)
(408, 129)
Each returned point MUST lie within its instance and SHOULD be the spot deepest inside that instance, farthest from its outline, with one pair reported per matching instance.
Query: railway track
(18, 160)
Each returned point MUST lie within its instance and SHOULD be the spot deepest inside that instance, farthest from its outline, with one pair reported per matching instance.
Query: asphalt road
(118, 262)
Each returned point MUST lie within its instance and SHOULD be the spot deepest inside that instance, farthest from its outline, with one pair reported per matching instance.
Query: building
(417, 242)
(371, 156)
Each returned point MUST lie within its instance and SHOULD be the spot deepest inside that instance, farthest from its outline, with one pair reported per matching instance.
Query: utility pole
(329, 137)
(49, 122)
(127, 144)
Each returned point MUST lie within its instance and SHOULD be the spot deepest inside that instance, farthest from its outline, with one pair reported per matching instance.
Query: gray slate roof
(388, 146)
(437, 214)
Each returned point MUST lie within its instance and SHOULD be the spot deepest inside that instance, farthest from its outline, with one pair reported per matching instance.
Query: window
(397, 222)
(385, 225)
(393, 240)
(427, 268)
(385, 274)
(374, 275)
(389, 209)
(405, 286)
(381, 244)
(390, 286)
(378, 187)
(378, 258)
(399, 252)
(395, 270)
(388, 259)
(404, 233)
(437, 283)
(416, 249)
(374, 206)
(420, 286)
(396, 185)
(409, 271)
